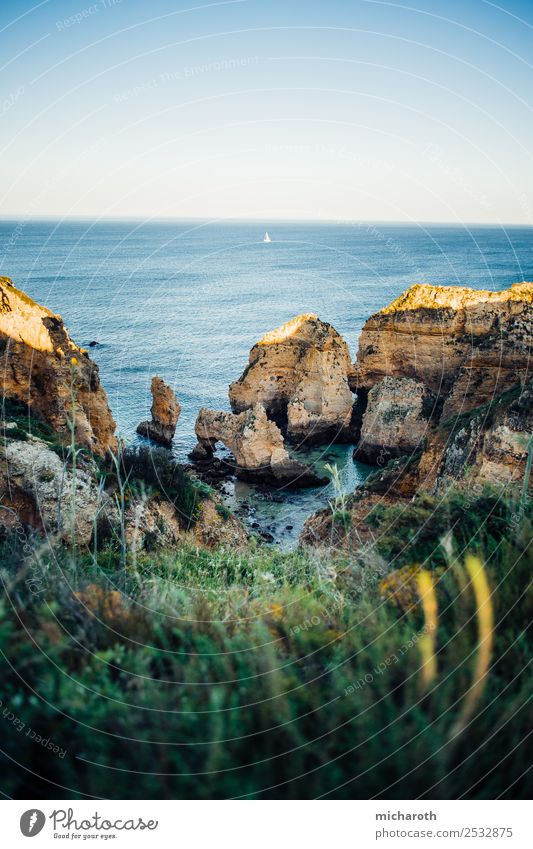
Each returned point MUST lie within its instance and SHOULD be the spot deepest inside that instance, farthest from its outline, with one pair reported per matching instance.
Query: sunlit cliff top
(21, 318)
(455, 297)
(290, 328)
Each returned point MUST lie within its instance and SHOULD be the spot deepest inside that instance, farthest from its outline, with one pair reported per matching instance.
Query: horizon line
(266, 221)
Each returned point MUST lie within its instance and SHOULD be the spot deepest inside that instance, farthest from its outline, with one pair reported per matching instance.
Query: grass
(19, 421)
(156, 468)
(343, 518)
(413, 532)
(264, 674)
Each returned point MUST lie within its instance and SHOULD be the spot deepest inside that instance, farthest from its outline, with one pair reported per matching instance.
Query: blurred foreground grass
(264, 674)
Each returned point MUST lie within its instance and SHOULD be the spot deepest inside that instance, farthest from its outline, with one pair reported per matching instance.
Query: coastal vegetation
(152, 646)
(201, 674)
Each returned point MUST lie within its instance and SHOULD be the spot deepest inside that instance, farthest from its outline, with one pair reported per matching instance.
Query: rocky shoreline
(439, 395)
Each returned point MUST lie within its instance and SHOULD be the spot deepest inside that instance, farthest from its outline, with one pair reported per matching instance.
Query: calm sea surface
(187, 300)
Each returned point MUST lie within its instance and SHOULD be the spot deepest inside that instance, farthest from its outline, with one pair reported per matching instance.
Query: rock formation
(299, 373)
(489, 444)
(216, 526)
(461, 347)
(443, 378)
(49, 381)
(256, 444)
(465, 344)
(37, 490)
(165, 414)
(42, 367)
(151, 524)
(395, 421)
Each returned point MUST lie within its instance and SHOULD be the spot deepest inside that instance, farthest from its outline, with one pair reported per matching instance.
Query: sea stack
(165, 414)
(299, 373)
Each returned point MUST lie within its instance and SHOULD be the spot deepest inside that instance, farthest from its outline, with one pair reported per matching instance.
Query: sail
(267, 238)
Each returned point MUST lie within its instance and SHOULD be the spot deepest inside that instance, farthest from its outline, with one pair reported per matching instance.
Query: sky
(270, 109)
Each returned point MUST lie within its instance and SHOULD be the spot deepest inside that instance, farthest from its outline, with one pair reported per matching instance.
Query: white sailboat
(266, 237)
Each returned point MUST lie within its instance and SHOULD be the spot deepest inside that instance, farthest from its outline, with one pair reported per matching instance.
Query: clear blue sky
(259, 108)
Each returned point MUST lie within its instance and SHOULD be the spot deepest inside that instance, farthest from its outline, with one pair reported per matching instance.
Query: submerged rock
(299, 373)
(42, 367)
(165, 414)
(256, 444)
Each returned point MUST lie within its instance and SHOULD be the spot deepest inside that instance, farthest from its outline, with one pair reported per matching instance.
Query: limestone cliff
(299, 373)
(39, 491)
(395, 420)
(487, 446)
(443, 378)
(42, 367)
(154, 523)
(465, 344)
(458, 348)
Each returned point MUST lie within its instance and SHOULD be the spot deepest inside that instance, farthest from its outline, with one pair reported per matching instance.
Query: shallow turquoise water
(187, 300)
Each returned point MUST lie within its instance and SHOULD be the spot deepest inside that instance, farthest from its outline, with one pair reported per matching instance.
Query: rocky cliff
(485, 449)
(487, 444)
(299, 373)
(39, 491)
(456, 348)
(43, 368)
(443, 380)
(48, 381)
(465, 344)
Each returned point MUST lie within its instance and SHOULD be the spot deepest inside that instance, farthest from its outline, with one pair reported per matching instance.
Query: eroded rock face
(486, 445)
(299, 373)
(42, 367)
(154, 524)
(151, 524)
(459, 347)
(215, 527)
(465, 344)
(396, 420)
(165, 414)
(444, 384)
(256, 444)
(40, 492)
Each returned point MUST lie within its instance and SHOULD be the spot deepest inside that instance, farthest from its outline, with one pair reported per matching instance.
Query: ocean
(187, 300)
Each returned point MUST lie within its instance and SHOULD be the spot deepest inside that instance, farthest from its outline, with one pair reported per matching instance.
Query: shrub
(157, 468)
(342, 518)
